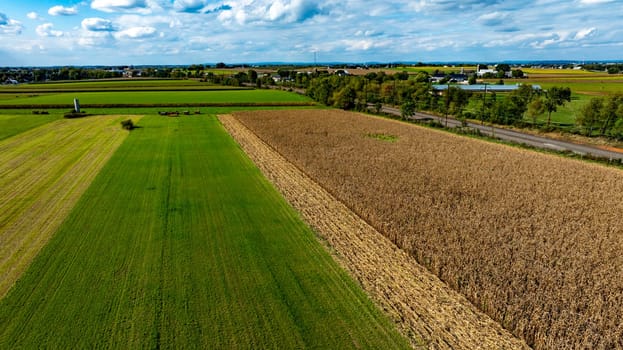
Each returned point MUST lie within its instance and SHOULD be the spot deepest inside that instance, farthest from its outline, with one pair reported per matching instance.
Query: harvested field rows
(424, 307)
(533, 240)
(43, 173)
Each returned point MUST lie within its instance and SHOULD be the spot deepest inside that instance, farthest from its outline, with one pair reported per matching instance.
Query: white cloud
(552, 40)
(585, 33)
(95, 39)
(190, 5)
(132, 6)
(63, 11)
(46, 30)
(136, 33)
(33, 15)
(97, 25)
(284, 11)
(9, 26)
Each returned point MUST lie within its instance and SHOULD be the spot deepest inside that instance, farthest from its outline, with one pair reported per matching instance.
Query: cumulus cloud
(283, 11)
(97, 25)
(136, 33)
(33, 15)
(95, 39)
(9, 26)
(199, 6)
(47, 30)
(62, 11)
(110, 6)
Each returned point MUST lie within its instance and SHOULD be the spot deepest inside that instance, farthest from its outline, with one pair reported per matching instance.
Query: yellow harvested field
(533, 240)
(425, 309)
(43, 173)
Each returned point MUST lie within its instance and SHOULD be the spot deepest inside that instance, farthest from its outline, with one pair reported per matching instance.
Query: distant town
(19, 75)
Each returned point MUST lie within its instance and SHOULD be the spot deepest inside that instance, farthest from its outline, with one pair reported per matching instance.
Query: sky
(149, 32)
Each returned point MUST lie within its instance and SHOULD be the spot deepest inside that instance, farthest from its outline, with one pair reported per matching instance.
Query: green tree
(503, 67)
(536, 107)
(459, 99)
(472, 79)
(345, 98)
(590, 114)
(407, 109)
(252, 76)
(555, 97)
(610, 112)
(517, 73)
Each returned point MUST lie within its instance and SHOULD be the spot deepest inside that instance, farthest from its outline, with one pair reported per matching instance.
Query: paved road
(517, 137)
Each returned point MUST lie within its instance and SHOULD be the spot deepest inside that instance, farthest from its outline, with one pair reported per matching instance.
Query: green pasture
(180, 242)
(564, 115)
(607, 87)
(159, 97)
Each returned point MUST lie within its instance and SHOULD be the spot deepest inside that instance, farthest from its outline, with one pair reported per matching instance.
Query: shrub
(128, 124)
(74, 114)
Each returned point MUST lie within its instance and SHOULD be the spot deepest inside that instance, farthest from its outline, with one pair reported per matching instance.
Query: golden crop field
(533, 240)
(43, 173)
(441, 319)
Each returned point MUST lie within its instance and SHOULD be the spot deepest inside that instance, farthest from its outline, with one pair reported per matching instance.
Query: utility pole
(447, 103)
(484, 102)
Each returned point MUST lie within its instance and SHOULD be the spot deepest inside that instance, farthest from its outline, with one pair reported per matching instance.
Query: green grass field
(159, 97)
(112, 85)
(181, 243)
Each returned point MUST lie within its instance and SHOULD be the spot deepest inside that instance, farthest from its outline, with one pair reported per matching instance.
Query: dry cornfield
(533, 240)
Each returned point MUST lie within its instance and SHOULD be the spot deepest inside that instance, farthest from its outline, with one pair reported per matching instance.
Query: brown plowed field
(427, 310)
(532, 240)
(43, 173)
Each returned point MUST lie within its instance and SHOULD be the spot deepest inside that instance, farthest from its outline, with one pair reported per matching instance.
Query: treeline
(414, 93)
(22, 75)
(603, 116)
(616, 68)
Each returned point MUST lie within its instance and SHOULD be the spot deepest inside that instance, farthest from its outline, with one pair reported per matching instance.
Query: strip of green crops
(159, 97)
(180, 242)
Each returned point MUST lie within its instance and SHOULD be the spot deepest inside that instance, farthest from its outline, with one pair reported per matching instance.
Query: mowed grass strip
(11, 125)
(160, 97)
(43, 173)
(180, 242)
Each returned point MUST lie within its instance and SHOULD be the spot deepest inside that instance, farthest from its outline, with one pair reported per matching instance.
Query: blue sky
(133, 32)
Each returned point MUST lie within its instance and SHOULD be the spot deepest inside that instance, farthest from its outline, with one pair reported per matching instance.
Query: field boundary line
(160, 105)
(425, 309)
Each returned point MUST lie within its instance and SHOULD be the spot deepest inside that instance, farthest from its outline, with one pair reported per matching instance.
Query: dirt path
(423, 307)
